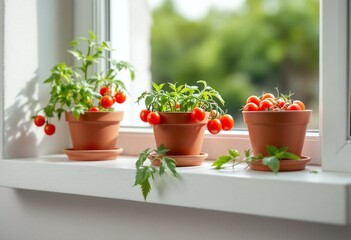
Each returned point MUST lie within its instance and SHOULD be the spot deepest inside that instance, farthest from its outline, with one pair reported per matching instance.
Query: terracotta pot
(281, 129)
(179, 133)
(94, 130)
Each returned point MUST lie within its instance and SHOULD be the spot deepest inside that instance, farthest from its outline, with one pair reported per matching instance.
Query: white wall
(34, 215)
(35, 36)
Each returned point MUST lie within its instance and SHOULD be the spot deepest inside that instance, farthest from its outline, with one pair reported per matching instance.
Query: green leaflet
(146, 172)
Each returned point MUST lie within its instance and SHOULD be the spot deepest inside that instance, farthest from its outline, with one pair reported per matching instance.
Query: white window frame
(334, 101)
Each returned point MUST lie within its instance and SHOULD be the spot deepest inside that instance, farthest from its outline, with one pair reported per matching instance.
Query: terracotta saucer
(92, 155)
(183, 160)
(285, 165)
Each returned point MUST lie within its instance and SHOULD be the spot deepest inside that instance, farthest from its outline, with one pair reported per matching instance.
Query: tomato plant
(39, 120)
(78, 88)
(214, 126)
(49, 129)
(182, 98)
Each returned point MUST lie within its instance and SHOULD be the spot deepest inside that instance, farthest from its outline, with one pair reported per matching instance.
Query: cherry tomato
(198, 114)
(281, 102)
(265, 105)
(120, 97)
(251, 107)
(253, 99)
(177, 106)
(227, 122)
(143, 115)
(49, 129)
(104, 90)
(294, 106)
(301, 104)
(268, 95)
(94, 109)
(214, 126)
(213, 114)
(153, 118)
(39, 120)
(107, 101)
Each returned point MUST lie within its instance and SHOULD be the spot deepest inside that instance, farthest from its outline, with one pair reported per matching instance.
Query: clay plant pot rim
(292, 118)
(113, 116)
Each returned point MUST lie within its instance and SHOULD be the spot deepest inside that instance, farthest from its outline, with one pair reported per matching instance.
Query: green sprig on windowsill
(146, 172)
(272, 160)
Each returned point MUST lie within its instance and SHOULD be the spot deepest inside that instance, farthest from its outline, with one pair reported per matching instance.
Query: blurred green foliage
(263, 45)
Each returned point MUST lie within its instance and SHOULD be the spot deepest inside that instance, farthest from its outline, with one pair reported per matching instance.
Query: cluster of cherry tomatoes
(107, 100)
(49, 128)
(215, 124)
(268, 102)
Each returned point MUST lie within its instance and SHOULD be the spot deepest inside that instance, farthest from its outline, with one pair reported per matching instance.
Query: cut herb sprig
(272, 160)
(146, 172)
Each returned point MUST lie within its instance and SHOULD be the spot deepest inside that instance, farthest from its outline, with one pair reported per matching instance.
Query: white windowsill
(318, 197)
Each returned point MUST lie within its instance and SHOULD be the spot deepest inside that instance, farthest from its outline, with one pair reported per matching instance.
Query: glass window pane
(239, 47)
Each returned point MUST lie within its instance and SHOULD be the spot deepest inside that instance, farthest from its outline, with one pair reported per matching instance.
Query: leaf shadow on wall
(21, 137)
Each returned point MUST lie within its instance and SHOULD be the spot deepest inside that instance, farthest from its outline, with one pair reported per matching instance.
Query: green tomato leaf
(221, 160)
(271, 150)
(142, 158)
(167, 163)
(142, 177)
(272, 162)
(234, 153)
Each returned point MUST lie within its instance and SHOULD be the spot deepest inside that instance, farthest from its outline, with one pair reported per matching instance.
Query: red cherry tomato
(49, 129)
(253, 99)
(120, 97)
(301, 104)
(39, 120)
(265, 105)
(198, 114)
(143, 115)
(267, 96)
(227, 122)
(104, 90)
(294, 107)
(107, 101)
(94, 109)
(214, 126)
(251, 107)
(177, 106)
(281, 103)
(153, 118)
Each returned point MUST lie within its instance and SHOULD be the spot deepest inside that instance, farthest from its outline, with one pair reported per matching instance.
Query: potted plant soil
(179, 115)
(280, 122)
(87, 98)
